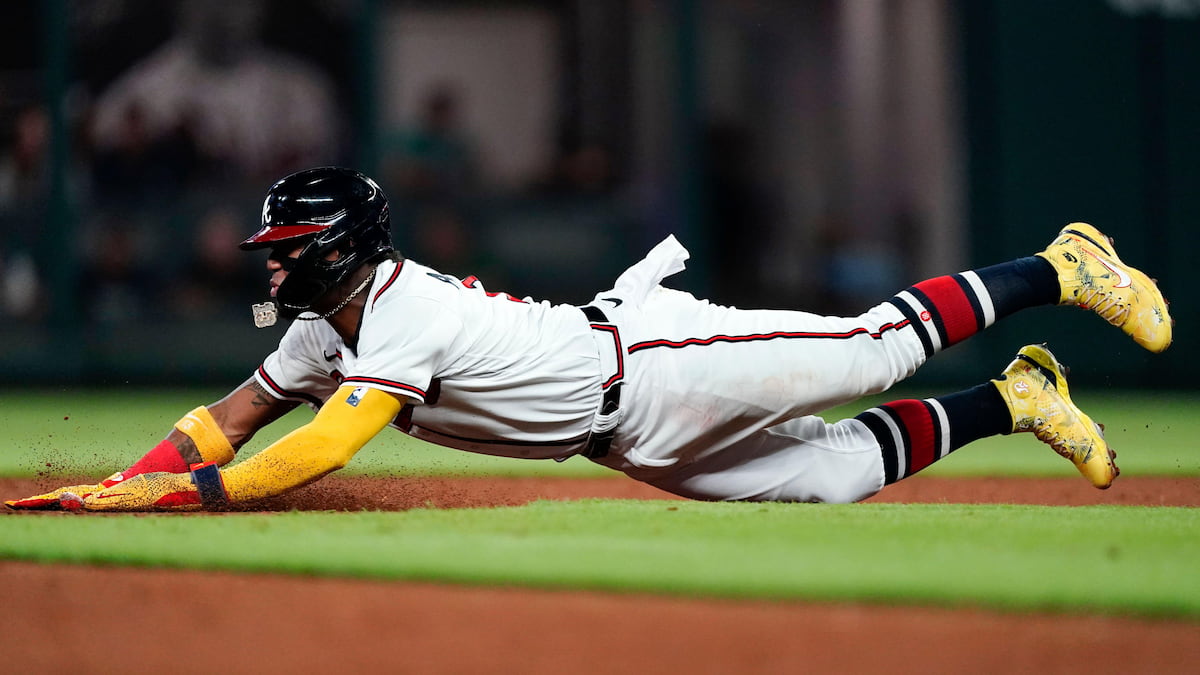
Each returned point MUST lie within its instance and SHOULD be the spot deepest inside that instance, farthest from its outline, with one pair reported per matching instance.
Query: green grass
(96, 432)
(1131, 560)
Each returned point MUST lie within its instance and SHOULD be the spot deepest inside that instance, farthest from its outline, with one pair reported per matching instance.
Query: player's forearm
(324, 445)
(195, 438)
(246, 410)
(297, 459)
(212, 433)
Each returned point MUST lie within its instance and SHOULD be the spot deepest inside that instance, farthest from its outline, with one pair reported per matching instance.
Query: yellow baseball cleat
(1034, 386)
(1091, 276)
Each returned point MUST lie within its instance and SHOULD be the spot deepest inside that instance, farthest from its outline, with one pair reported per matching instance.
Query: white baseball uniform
(715, 402)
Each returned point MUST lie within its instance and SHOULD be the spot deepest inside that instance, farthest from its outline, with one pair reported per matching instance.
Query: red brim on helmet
(270, 235)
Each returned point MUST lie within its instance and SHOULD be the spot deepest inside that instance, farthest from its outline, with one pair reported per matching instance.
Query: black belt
(598, 443)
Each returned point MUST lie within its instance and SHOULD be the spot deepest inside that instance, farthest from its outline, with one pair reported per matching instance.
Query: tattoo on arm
(262, 399)
(187, 449)
(265, 402)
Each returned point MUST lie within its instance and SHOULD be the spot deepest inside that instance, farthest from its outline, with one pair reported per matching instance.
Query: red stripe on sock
(918, 422)
(953, 305)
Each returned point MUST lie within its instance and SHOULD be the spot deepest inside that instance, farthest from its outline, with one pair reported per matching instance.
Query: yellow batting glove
(147, 492)
(52, 500)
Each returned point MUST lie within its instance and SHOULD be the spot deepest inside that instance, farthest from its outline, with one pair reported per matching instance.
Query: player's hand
(51, 501)
(54, 499)
(147, 492)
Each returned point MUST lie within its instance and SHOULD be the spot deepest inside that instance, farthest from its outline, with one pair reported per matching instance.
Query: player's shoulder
(406, 291)
(410, 282)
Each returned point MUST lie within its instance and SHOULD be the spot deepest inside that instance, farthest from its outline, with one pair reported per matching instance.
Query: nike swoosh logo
(1122, 275)
(615, 301)
(115, 494)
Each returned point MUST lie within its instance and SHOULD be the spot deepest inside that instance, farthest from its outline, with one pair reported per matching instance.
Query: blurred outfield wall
(1088, 110)
(1071, 110)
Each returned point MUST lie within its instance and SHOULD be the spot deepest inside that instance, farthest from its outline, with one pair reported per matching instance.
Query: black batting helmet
(325, 209)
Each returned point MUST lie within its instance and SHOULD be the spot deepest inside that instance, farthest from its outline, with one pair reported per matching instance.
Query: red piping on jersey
(388, 284)
(284, 392)
(386, 383)
(620, 374)
(704, 342)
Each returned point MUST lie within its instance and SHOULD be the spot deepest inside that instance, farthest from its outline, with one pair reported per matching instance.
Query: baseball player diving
(701, 400)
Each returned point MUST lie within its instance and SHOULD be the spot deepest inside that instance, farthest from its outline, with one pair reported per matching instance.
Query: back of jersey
(492, 368)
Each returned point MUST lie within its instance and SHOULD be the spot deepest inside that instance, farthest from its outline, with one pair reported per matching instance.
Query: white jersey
(714, 402)
(486, 372)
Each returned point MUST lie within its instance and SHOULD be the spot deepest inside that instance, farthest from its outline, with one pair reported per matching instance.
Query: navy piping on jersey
(760, 337)
(386, 383)
(284, 392)
(388, 284)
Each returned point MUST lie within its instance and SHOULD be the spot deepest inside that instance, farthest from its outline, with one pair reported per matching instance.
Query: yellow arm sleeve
(204, 431)
(341, 428)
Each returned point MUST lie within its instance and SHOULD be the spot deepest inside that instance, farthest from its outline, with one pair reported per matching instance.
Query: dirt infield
(146, 620)
(401, 494)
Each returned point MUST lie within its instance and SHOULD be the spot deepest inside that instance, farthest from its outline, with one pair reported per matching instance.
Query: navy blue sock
(976, 413)
(1020, 283)
(913, 434)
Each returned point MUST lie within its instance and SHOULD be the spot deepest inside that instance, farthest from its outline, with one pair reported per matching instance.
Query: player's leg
(807, 459)
(1080, 267)
(840, 359)
(1031, 395)
(723, 374)
(949, 309)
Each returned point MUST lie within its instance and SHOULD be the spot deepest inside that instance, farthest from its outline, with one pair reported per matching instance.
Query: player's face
(282, 260)
(278, 263)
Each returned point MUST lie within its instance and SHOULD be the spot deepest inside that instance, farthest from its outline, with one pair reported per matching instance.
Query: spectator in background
(432, 167)
(217, 283)
(136, 167)
(584, 169)
(23, 169)
(24, 188)
(251, 111)
(115, 284)
(21, 292)
(435, 161)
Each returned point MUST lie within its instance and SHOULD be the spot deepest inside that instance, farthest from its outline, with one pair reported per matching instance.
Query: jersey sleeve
(296, 370)
(402, 346)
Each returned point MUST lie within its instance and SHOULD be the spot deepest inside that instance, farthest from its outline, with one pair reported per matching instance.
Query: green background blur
(739, 126)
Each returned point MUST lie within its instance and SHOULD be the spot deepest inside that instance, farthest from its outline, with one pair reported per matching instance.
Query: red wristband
(162, 457)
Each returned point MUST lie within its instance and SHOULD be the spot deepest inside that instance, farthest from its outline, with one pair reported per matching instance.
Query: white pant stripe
(981, 294)
(897, 439)
(943, 421)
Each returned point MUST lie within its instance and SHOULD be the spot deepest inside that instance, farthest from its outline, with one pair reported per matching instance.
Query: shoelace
(1042, 431)
(1104, 304)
